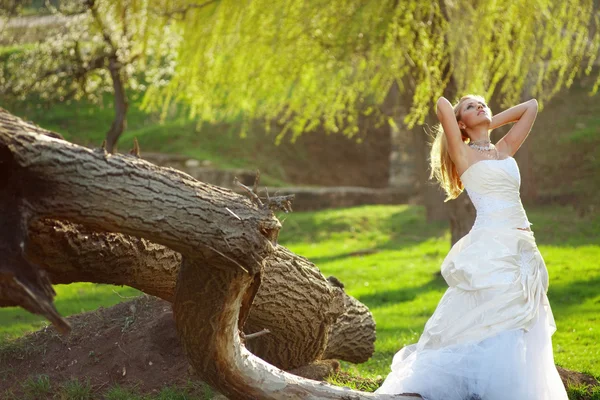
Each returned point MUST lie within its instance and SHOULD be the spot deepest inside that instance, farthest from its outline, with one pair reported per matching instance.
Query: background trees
(327, 64)
(115, 47)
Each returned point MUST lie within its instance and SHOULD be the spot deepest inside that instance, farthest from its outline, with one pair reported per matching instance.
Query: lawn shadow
(407, 227)
(567, 295)
(562, 226)
(401, 295)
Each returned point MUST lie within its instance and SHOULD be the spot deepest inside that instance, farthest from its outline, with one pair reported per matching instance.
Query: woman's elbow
(442, 100)
(533, 103)
(442, 104)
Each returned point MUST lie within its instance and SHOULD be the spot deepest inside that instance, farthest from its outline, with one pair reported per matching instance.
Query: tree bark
(225, 241)
(431, 193)
(289, 303)
(402, 160)
(215, 347)
(121, 105)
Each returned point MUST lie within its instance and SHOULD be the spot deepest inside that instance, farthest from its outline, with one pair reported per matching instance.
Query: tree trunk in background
(462, 217)
(403, 171)
(524, 158)
(121, 105)
(430, 191)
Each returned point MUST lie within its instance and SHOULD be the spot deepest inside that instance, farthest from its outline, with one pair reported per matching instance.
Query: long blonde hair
(442, 168)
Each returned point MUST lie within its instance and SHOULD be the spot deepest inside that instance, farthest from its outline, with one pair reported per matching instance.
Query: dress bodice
(493, 187)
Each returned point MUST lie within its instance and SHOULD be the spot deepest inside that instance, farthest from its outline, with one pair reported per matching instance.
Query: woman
(490, 335)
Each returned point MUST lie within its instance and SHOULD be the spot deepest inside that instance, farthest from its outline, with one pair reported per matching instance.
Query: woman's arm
(524, 115)
(456, 146)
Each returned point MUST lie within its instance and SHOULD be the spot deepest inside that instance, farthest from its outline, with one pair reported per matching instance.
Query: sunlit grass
(389, 258)
(70, 299)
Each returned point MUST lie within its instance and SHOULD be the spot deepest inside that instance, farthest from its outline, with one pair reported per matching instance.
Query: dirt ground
(130, 344)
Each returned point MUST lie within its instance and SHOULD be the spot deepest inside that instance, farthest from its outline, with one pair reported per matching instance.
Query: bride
(490, 335)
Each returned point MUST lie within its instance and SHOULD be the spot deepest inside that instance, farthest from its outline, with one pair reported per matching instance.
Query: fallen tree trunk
(225, 241)
(215, 347)
(286, 304)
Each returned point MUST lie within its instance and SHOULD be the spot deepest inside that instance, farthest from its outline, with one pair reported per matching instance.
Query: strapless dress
(489, 338)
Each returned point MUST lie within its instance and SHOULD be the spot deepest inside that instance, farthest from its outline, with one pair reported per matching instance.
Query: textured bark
(128, 195)
(72, 253)
(121, 105)
(225, 241)
(289, 304)
(295, 302)
(22, 283)
(211, 341)
(352, 336)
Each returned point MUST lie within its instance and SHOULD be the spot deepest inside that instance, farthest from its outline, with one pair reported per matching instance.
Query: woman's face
(474, 112)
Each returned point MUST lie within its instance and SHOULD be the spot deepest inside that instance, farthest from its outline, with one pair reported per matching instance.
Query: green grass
(36, 387)
(583, 392)
(191, 391)
(76, 390)
(121, 393)
(40, 387)
(389, 257)
(70, 299)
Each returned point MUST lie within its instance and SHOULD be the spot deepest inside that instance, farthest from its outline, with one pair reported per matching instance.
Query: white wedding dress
(490, 335)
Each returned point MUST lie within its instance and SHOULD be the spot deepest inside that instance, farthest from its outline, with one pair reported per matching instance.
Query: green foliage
(75, 390)
(86, 41)
(121, 393)
(305, 64)
(37, 387)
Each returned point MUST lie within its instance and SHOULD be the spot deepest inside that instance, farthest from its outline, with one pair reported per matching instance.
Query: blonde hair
(442, 168)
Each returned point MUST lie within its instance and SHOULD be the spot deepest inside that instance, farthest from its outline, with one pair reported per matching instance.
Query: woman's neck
(478, 135)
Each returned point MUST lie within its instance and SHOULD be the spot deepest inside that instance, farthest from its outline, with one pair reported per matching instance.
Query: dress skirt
(490, 336)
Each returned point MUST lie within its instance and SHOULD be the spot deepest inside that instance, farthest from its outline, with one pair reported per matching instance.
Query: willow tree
(309, 64)
(105, 47)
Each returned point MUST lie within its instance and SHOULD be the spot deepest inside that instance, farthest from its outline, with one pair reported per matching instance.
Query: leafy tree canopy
(321, 62)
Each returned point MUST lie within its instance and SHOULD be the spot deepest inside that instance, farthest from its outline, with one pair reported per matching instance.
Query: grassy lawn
(388, 257)
(70, 299)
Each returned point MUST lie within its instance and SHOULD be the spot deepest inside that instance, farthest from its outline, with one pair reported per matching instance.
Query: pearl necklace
(488, 149)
